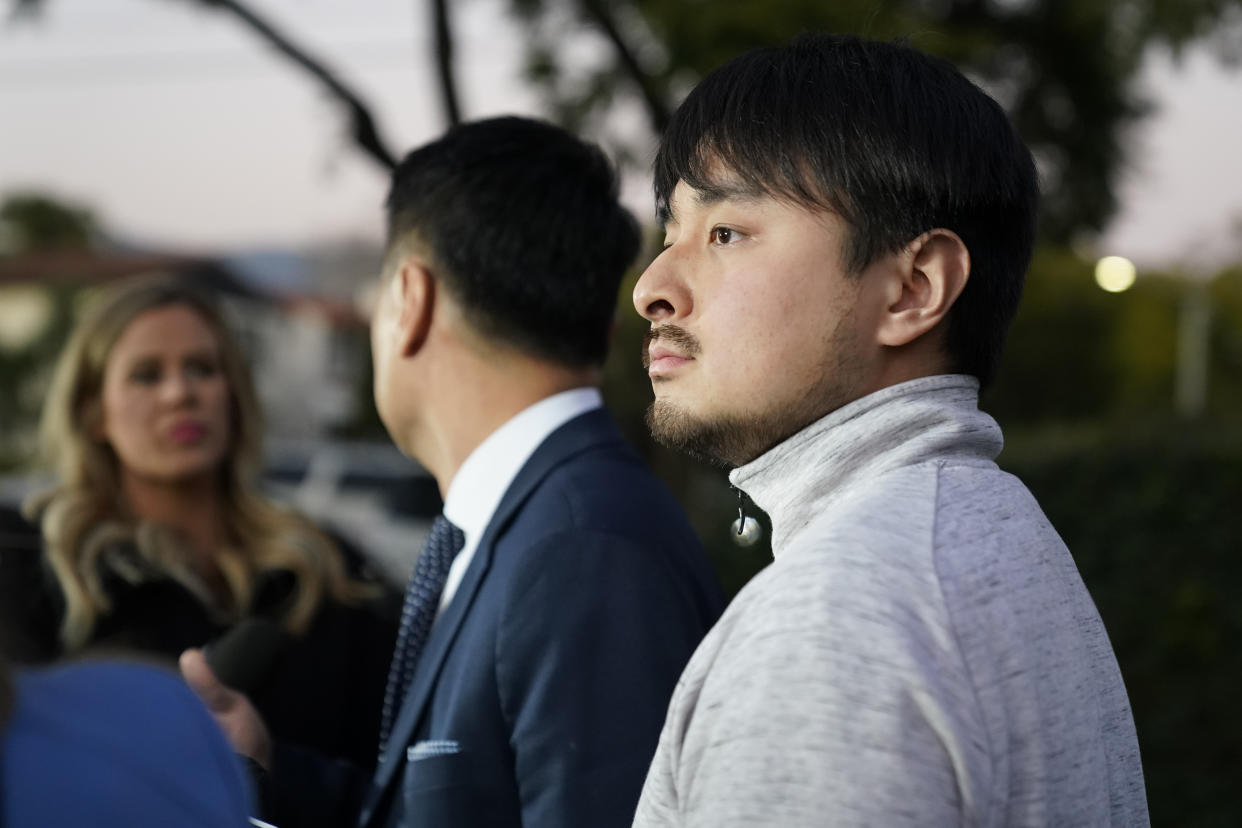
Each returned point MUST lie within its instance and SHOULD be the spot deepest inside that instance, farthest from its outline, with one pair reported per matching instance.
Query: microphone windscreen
(242, 657)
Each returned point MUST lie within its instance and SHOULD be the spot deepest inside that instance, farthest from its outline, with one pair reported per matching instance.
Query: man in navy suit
(575, 590)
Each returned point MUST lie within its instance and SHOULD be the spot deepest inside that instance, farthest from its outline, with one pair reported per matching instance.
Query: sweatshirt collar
(931, 418)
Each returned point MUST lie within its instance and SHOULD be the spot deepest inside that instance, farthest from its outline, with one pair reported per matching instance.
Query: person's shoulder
(606, 482)
(927, 515)
(864, 565)
(991, 536)
(986, 505)
(908, 535)
(105, 684)
(603, 512)
(598, 506)
(605, 506)
(140, 727)
(99, 695)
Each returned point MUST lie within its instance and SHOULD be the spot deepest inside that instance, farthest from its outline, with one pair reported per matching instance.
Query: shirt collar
(484, 477)
(931, 418)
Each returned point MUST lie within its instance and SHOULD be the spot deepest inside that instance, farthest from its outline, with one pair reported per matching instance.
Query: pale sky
(175, 125)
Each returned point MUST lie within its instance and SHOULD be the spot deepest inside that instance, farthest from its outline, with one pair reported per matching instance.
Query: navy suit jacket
(539, 697)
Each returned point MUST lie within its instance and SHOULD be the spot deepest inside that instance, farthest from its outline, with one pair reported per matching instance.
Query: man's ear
(416, 297)
(932, 271)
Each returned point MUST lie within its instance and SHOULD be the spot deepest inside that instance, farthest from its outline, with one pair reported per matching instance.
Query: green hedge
(1154, 520)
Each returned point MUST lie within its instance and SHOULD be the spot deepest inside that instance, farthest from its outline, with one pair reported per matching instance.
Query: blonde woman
(155, 538)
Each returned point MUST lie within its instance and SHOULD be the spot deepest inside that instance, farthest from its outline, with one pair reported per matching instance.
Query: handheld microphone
(243, 656)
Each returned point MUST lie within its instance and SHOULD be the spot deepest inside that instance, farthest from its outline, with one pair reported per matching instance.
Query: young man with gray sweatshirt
(848, 225)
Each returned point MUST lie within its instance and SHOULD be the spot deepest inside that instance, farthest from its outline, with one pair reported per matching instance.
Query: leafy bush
(1152, 517)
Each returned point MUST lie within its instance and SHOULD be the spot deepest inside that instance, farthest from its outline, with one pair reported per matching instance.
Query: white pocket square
(428, 748)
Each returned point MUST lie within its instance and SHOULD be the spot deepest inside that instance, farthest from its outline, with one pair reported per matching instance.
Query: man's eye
(723, 235)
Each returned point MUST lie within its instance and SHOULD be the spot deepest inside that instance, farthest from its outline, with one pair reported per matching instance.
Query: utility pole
(1194, 329)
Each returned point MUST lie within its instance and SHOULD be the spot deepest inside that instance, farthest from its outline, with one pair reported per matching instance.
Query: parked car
(369, 494)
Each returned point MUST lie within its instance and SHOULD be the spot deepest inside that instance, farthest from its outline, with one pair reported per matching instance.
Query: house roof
(92, 267)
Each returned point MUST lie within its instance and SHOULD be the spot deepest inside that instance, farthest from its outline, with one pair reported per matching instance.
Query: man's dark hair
(893, 141)
(523, 227)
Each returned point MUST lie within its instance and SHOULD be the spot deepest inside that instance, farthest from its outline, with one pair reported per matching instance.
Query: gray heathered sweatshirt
(921, 652)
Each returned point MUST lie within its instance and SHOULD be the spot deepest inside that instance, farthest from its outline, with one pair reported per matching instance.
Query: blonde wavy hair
(86, 524)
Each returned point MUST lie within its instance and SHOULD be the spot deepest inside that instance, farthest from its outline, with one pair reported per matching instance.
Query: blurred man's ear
(416, 297)
(931, 274)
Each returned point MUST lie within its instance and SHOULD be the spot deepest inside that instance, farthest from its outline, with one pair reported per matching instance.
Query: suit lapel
(583, 432)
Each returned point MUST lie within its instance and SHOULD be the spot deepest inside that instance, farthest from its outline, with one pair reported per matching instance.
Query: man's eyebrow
(729, 190)
(711, 194)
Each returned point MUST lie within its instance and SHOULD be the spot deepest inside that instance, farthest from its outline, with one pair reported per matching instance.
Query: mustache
(685, 341)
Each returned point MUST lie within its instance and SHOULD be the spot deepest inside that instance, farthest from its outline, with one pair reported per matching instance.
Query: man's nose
(661, 294)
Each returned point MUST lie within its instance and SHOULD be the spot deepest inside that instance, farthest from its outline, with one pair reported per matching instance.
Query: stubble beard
(730, 440)
(724, 442)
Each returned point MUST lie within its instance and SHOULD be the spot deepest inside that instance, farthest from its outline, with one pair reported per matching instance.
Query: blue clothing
(540, 694)
(115, 746)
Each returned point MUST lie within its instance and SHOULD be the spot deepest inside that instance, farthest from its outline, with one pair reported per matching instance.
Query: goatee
(725, 442)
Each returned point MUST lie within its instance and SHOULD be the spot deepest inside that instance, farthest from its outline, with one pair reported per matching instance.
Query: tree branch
(444, 61)
(363, 125)
(657, 108)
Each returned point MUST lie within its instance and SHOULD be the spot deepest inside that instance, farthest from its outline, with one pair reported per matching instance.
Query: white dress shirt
(485, 476)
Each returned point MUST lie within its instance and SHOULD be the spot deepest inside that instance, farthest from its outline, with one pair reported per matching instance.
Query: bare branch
(657, 108)
(363, 125)
(444, 61)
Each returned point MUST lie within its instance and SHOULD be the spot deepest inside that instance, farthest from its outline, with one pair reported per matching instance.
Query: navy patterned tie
(422, 599)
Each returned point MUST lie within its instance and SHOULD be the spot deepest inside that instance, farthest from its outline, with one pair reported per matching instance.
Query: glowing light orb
(1115, 273)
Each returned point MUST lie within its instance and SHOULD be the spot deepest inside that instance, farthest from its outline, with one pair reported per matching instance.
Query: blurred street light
(1115, 273)
(24, 315)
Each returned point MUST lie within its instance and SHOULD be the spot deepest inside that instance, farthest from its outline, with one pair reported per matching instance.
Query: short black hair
(523, 226)
(893, 141)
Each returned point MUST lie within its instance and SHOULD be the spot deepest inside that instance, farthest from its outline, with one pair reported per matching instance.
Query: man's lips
(662, 359)
(667, 348)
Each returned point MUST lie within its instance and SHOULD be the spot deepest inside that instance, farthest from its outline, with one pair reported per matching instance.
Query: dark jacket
(539, 697)
(324, 689)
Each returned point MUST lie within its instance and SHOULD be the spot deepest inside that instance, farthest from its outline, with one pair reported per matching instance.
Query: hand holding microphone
(243, 657)
(221, 674)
